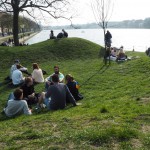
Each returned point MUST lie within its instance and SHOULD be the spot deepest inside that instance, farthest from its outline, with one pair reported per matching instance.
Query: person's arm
(26, 109)
(21, 76)
(70, 97)
(61, 77)
(48, 78)
(33, 74)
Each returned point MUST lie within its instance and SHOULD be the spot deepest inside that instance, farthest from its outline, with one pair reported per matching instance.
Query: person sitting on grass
(73, 87)
(65, 34)
(121, 55)
(56, 96)
(37, 74)
(28, 92)
(52, 35)
(48, 80)
(14, 67)
(17, 76)
(17, 105)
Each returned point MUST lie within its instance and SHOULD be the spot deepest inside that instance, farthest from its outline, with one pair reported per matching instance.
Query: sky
(82, 12)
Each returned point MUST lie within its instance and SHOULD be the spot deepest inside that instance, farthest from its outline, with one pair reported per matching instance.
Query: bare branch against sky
(54, 8)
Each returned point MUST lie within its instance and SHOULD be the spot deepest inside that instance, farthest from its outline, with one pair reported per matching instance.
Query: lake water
(139, 39)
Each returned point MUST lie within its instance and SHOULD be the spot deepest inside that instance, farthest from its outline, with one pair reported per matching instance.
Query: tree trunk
(105, 57)
(15, 27)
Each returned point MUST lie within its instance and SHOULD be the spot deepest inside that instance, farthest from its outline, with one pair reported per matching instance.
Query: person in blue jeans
(56, 96)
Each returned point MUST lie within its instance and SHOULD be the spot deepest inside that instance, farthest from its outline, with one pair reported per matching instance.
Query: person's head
(69, 78)
(56, 69)
(18, 66)
(18, 94)
(17, 61)
(28, 81)
(111, 48)
(35, 66)
(107, 31)
(55, 78)
(51, 31)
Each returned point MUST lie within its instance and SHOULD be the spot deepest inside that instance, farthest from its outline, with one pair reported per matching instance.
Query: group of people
(59, 91)
(116, 54)
(60, 35)
(112, 53)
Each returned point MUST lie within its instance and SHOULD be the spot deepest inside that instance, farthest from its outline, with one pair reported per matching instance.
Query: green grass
(115, 112)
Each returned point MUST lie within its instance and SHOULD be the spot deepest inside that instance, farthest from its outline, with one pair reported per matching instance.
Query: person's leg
(46, 86)
(47, 103)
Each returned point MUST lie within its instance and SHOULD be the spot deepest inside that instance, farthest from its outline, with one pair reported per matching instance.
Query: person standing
(108, 38)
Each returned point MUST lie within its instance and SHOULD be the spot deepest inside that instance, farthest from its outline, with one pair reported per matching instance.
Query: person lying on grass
(48, 80)
(17, 105)
(73, 87)
(56, 96)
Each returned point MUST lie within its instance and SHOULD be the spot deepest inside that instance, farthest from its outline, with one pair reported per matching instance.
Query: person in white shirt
(17, 77)
(17, 106)
(37, 74)
(14, 67)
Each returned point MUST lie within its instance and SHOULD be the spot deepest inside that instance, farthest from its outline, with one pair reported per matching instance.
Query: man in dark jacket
(57, 94)
(108, 38)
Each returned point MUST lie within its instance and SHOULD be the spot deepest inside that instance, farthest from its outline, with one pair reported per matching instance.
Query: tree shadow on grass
(100, 71)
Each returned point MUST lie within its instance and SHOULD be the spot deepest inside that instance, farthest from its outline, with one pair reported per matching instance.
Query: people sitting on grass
(17, 76)
(113, 52)
(121, 55)
(5, 44)
(65, 34)
(28, 92)
(14, 67)
(48, 80)
(73, 87)
(60, 35)
(37, 74)
(56, 96)
(52, 35)
(17, 105)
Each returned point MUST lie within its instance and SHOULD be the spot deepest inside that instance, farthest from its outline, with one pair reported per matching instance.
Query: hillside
(115, 112)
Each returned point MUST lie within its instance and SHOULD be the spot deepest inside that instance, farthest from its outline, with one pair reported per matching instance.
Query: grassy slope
(115, 113)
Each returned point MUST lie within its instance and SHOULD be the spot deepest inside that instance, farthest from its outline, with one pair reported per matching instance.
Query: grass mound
(59, 49)
(115, 110)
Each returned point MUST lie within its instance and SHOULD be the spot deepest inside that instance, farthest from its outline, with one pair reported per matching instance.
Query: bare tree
(55, 8)
(102, 10)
